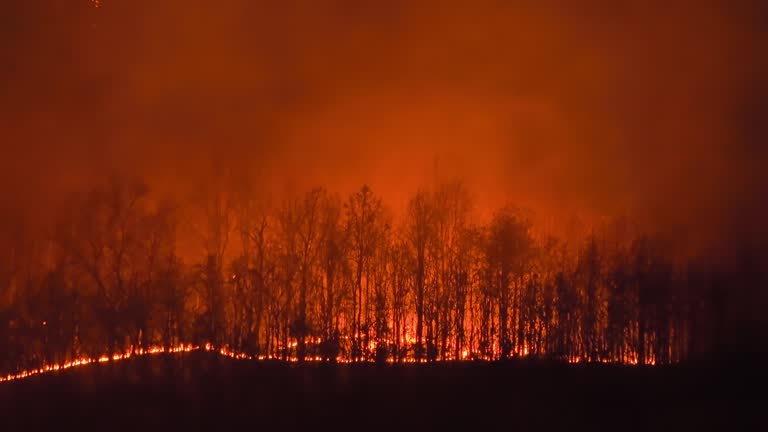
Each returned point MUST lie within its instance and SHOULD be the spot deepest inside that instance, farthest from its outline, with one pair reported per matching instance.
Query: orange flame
(464, 355)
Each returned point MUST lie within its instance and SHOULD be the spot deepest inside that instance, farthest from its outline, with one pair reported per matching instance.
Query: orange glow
(578, 132)
(102, 359)
(227, 352)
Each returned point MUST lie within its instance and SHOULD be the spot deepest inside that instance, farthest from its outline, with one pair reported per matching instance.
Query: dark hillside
(203, 391)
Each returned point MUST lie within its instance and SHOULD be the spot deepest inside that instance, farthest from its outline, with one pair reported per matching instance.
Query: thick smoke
(649, 109)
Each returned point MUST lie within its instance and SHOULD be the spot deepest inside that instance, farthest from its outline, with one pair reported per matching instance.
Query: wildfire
(102, 359)
(464, 355)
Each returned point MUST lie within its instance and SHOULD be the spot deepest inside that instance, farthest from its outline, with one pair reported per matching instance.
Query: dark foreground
(202, 391)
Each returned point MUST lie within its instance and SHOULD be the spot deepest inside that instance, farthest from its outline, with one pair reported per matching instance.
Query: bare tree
(509, 245)
(316, 276)
(213, 223)
(420, 233)
(363, 225)
(332, 253)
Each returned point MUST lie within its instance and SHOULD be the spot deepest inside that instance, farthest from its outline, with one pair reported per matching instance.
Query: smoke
(644, 108)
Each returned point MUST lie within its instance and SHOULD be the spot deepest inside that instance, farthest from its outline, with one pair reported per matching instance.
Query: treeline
(323, 276)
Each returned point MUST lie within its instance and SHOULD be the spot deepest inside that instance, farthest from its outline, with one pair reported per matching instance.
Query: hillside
(206, 390)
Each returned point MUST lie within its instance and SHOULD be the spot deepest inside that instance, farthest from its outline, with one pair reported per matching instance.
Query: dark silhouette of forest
(399, 215)
(324, 277)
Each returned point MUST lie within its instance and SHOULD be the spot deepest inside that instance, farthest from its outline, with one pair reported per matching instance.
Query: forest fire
(264, 187)
(443, 288)
(229, 353)
(102, 359)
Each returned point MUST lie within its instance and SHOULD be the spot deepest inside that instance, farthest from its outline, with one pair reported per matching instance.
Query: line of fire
(327, 278)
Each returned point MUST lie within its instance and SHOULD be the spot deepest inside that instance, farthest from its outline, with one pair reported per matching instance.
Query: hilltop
(206, 390)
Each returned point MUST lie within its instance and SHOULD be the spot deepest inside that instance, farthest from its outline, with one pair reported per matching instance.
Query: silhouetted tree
(318, 276)
(508, 250)
(364, 225)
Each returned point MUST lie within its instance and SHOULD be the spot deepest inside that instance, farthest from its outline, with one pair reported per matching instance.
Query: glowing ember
(227, 352)
(102, 359)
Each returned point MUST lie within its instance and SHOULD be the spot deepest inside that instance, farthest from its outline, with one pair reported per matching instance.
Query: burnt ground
(203, 391)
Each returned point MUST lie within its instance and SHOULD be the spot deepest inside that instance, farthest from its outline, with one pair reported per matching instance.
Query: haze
(650, 109)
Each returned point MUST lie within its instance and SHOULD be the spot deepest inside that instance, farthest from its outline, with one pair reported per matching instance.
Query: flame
(628, 358)
(102, 359)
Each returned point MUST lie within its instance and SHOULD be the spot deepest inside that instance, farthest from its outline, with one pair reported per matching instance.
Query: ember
(381, 183)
